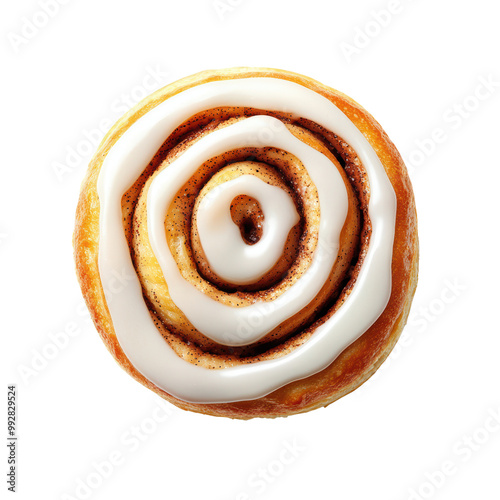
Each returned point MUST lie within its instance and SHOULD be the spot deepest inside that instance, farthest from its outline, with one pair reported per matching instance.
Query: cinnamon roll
(246, 242)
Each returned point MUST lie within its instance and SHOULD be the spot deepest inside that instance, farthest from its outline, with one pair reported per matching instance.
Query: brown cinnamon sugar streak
(275, 167)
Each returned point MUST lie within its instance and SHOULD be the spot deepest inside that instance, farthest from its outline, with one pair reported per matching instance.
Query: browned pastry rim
(358, 361)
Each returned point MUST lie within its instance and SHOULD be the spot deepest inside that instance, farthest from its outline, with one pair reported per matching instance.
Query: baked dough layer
(358, 361)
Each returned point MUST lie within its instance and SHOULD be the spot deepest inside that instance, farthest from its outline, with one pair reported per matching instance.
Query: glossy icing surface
(136, 332)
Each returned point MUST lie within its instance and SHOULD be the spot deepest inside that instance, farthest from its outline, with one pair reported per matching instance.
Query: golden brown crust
(358, 361)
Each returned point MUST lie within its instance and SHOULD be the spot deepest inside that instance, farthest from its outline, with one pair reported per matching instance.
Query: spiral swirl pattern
(246, 241)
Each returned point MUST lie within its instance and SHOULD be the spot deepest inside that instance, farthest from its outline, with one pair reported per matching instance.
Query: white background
(424, 426)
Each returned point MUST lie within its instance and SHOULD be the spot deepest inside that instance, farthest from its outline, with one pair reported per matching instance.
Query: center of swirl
(247, 214)
(225, 243)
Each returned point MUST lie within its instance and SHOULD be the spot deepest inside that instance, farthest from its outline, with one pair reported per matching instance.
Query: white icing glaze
(140, 340)
(229, 256)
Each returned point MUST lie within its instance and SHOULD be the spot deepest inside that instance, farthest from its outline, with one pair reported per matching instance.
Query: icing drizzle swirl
(239, 262)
